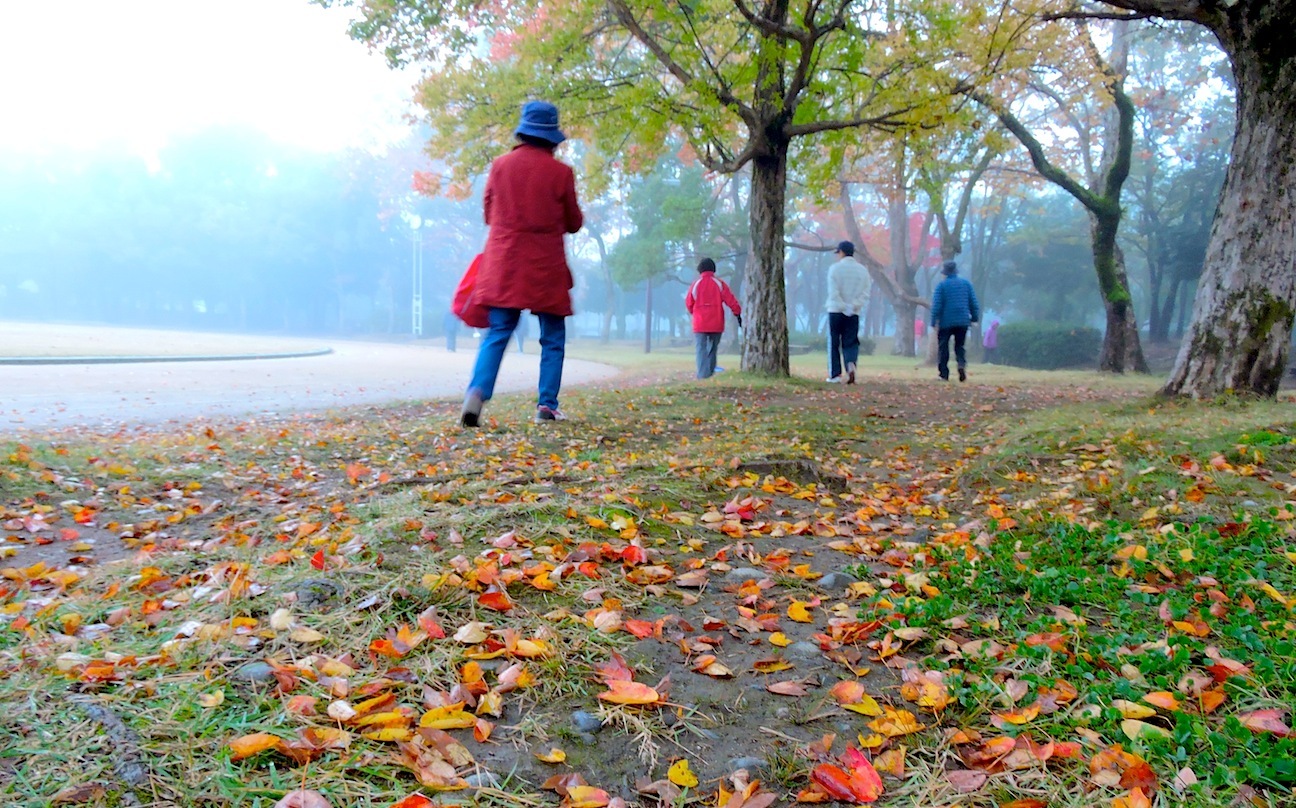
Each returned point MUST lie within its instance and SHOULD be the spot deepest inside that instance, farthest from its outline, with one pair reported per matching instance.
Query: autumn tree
(746, 84)
(1102, 145)
(1246, 298)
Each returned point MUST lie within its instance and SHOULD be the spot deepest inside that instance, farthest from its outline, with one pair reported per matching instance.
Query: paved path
(107, 395)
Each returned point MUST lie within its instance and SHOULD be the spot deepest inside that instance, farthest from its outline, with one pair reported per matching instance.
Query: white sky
(133, 73)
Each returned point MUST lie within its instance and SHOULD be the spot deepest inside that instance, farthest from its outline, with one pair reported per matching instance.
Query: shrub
(1047, 346)
(867, 346)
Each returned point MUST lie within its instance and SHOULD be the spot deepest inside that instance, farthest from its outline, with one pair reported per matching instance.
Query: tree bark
(1243, 312)
(765, 331)
(1121, 349)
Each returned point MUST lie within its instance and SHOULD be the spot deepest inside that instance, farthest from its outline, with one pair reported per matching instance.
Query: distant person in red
(530, 203)
(706, 300)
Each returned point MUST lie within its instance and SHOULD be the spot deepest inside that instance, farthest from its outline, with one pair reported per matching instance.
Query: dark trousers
(843, 342)
(959, 333)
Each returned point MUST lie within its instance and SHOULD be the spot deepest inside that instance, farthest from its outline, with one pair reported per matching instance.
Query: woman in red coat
(530, 204)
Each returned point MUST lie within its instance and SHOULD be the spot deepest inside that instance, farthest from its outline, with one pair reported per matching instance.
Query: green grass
(1077, 467)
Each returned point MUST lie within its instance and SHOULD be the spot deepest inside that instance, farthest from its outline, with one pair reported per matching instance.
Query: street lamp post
(416, 299)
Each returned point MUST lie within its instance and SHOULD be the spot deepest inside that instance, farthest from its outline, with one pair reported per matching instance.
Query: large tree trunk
(1243, 313)
(765, 331)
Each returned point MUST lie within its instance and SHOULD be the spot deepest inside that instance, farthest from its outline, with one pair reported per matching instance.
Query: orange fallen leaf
(249, 745)
(1163, 699)
(414, 800)
(583, 796)
(621, 691)
(1135, 799)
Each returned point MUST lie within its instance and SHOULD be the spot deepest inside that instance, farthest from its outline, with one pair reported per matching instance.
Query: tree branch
(884, 121)
(682, 75)
(772, 28)
(1039, 159)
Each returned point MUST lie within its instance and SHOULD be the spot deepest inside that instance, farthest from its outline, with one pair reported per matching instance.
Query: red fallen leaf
(616, 668)
(498, 601)
(317, 560)
(1270, 720)
(414, 800)
(1140, 775)
(633, 555)
(640, 628)
(834, 781)
(864, 779)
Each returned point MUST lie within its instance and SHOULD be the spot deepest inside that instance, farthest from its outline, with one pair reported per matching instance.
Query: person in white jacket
(848, 291)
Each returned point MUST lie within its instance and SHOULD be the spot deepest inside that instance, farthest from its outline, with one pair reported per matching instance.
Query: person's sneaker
(549, 414)
(944, 377)
(472, 407)
(850, 373)
(962, 374)
(835, 379)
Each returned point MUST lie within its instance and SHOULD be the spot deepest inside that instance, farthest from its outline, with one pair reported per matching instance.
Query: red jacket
(704, 301)
(530, 203)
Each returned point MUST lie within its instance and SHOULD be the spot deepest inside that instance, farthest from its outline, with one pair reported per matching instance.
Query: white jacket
(848, 287)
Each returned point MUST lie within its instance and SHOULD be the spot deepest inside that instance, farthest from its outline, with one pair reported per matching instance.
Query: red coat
(530, 203)
(704, 301)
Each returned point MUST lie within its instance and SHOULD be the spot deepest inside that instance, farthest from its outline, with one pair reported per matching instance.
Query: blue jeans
(706, 345)
(843, 342)
(553, 347)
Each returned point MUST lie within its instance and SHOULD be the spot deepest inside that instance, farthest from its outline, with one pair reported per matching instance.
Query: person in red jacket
(530, 204)
(706, 300)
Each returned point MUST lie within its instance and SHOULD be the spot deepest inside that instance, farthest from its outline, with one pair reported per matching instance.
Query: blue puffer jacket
(954, 304)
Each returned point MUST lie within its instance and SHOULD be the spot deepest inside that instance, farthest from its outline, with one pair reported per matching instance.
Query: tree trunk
(1243, 313)
(765, 331)
(1120, 349)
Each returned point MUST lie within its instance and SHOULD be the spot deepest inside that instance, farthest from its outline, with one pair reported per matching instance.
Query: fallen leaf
(554, 755)
(303, 798)
(249, 745)
(966, 781)
(621, 691)
(1135, 729)
(1271, 721)
(681, 775)
(86, 792)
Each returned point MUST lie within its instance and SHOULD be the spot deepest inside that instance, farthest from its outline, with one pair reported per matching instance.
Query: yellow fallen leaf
(867, 705)
(798, 612)
(1129, 709)
(449, 717)
(554, 755)
(213, 699)
(1135, 729)
(780, 639)
(681, 775)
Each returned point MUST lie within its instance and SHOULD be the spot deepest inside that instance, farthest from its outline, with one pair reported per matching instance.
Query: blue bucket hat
(540, 119)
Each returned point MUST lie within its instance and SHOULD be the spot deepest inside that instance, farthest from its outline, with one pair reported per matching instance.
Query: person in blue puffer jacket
(954, 308)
